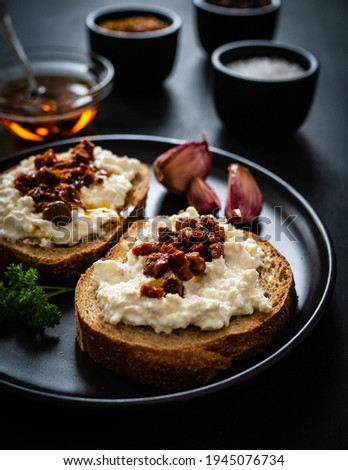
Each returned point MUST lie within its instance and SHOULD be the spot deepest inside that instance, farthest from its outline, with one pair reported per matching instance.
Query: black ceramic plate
(52, 366)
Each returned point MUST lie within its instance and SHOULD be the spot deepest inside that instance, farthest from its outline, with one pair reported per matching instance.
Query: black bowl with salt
(263, 88)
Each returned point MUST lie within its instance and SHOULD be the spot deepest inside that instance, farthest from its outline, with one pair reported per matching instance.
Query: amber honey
(61, 111)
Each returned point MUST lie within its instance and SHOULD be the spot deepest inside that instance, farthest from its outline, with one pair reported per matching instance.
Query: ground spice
(240, 3)
(135, 24)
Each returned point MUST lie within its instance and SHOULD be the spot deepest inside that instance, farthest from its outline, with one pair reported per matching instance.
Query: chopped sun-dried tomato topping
(180, 254)
(60, 179)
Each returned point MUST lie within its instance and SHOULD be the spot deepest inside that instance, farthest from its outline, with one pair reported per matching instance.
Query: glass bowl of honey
(72, 84)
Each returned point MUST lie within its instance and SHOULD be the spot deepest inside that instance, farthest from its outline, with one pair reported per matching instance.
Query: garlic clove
(176, 167)
(244, 199)
(202, 197)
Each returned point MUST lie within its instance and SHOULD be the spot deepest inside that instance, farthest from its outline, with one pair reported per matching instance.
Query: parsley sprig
(22, 297)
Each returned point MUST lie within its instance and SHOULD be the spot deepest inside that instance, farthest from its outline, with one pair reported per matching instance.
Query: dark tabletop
(301, 401)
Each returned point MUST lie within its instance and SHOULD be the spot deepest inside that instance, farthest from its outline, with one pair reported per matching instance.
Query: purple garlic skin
(176, 167)
(244, 199)
(202, 197)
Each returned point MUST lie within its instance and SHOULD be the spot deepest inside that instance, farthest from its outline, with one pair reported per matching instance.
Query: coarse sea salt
(265, 68)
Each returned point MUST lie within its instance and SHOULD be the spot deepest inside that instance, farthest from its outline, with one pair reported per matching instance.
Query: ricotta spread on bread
(100, 202)
(226, 286)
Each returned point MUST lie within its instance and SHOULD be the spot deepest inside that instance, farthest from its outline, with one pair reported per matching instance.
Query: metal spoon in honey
(6, 27)
(46, 106)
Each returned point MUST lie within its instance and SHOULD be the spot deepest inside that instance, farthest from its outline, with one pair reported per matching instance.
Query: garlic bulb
(202, 197)
(176, 167)
(244, 199)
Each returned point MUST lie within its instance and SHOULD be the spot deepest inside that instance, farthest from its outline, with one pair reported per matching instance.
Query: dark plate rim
(239, 377)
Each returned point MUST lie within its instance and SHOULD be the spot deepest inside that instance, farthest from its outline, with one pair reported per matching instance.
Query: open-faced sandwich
(61, 212)
(180, 298)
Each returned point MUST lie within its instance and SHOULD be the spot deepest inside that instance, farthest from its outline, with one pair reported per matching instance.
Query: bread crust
(187, 357)
(62, 262)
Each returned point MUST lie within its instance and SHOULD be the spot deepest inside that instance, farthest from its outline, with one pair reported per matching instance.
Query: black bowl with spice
(221, 21)
(139, 40)
(75, 84)
(263, 88)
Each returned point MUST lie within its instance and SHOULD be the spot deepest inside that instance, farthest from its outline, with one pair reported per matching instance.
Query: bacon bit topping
(180, 254)
(59, 180)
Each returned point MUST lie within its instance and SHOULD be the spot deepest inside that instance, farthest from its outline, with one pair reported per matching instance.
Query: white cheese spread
(228, 287)
(101, 203)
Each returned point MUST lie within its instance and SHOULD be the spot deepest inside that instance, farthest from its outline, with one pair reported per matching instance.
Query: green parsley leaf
(22, 297)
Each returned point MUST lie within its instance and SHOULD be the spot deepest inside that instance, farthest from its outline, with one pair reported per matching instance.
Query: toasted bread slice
(186, 357)
(68, 262)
